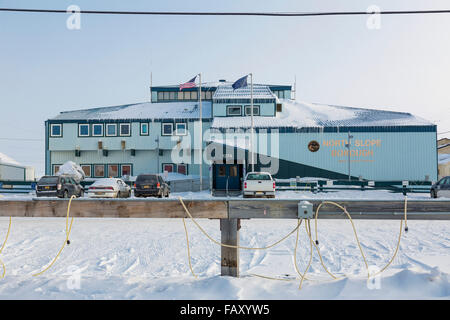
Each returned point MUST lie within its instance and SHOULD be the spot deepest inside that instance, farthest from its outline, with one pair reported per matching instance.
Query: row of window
(237, 110)
(282, 94)
(114, 129)
(120, 170)
(183, 95)
(103, 170)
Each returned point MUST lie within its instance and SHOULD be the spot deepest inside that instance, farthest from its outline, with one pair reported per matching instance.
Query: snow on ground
(147, 259)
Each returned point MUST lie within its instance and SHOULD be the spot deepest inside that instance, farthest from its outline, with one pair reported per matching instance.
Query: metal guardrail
(396, 186)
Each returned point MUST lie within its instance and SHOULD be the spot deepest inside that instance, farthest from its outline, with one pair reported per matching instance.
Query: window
(182, 168)
(144, 129)
(87, 170)
(160, 96)
(99, 170)
(167, 129)
(203, 95)
(168, 167)
(281, 94)
(83, 130)
(233, 171)
(113, 170)
(222, 171)
(180, 129)
(97, 130)
(248, 110)
(126, 170)
(56, 130)
(56, 168)
(187, 95)
(166, 95)
(111, 129)
(234, 110)
(194, 95)
(125, 129)
(172, 95)
(180, 96)
(208, 95)
(279, 107)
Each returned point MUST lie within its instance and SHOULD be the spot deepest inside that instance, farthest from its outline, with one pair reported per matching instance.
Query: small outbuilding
(11, 170)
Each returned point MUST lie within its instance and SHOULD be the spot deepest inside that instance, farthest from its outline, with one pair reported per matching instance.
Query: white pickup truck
(259, 184)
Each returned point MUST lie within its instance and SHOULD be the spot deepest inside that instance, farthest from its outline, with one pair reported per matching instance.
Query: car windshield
(49, 180)
(258, 176)
(147, 178)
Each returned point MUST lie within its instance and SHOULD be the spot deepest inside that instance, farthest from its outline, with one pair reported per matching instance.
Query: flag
(242, 82)
(189, 84)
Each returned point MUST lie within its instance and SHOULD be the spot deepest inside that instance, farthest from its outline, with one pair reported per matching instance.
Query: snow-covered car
(109, 188)
(259, 184)
(441, 188)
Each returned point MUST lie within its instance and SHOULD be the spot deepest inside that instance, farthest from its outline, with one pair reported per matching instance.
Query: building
(291, 139)
(11, 170)
(444, 157)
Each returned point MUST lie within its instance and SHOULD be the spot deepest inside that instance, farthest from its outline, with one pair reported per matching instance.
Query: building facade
(291, 139)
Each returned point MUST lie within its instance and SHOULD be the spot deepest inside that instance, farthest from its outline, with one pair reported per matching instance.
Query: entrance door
(227, 176)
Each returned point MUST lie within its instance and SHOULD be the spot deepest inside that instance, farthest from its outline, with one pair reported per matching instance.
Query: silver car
(441, 188)
(109, 188)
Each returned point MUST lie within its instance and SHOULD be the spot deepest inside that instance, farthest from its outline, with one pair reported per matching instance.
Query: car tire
(82, 194)
(119, 195)
(433, 194)
(66, 194)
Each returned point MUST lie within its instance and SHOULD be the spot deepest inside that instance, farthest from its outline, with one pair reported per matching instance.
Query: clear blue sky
(46, 68)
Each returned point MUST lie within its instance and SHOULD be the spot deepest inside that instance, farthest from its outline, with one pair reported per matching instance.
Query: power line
(264, 14)
(19, 139)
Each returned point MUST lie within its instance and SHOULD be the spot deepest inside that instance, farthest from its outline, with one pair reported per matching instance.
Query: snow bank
(146, 259)
(72, 169)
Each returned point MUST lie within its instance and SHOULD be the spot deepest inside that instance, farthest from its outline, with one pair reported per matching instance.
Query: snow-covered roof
(147, 110)
(305, 115)
(226, 91)
(7, 160)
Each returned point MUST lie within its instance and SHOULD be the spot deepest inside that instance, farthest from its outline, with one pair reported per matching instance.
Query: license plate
(259, 192)
(99, 193)
(47, 188)
(146, 187)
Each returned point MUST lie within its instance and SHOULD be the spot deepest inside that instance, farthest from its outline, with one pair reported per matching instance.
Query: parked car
(441, 188)
(59, 186)
(151, 185)
(259, 184)
(109, 188)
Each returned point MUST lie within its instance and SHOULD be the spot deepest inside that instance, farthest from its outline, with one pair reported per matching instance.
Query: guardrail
(397, 186)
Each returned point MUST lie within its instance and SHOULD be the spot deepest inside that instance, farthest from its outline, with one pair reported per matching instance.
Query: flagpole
(201, 129)
(252, 124)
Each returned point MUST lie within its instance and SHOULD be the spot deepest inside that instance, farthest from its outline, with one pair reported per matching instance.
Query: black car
(58, 186)
(151, 185)
(441, 188)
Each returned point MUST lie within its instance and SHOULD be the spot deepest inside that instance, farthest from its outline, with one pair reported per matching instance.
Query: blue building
(291, 139)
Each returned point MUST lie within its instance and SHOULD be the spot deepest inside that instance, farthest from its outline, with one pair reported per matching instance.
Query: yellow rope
(188, 250)
(68, 229)
(310, 256)
(3, 246)
(229, 245)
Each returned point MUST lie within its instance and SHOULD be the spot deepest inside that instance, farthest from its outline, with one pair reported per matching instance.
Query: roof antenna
(151, 85)
(295, 88)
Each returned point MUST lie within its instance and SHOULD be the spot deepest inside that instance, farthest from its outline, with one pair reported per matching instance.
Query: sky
(45, 68)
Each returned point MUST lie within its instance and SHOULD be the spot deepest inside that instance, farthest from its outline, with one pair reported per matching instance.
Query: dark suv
(58, 186)
(441, 188)
(151, 185)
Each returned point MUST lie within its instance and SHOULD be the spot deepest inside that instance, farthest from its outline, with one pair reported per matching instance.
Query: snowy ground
(147, 259)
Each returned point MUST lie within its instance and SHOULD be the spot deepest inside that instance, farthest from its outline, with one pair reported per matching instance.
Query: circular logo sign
(313, 146)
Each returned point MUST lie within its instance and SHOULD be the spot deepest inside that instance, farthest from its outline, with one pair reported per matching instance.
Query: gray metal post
(230, 256)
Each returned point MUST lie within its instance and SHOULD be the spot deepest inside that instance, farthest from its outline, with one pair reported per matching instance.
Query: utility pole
(347, 145)
(252, 124)
(201, 129)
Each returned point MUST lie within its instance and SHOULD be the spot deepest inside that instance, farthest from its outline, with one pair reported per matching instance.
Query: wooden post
(230, 256)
